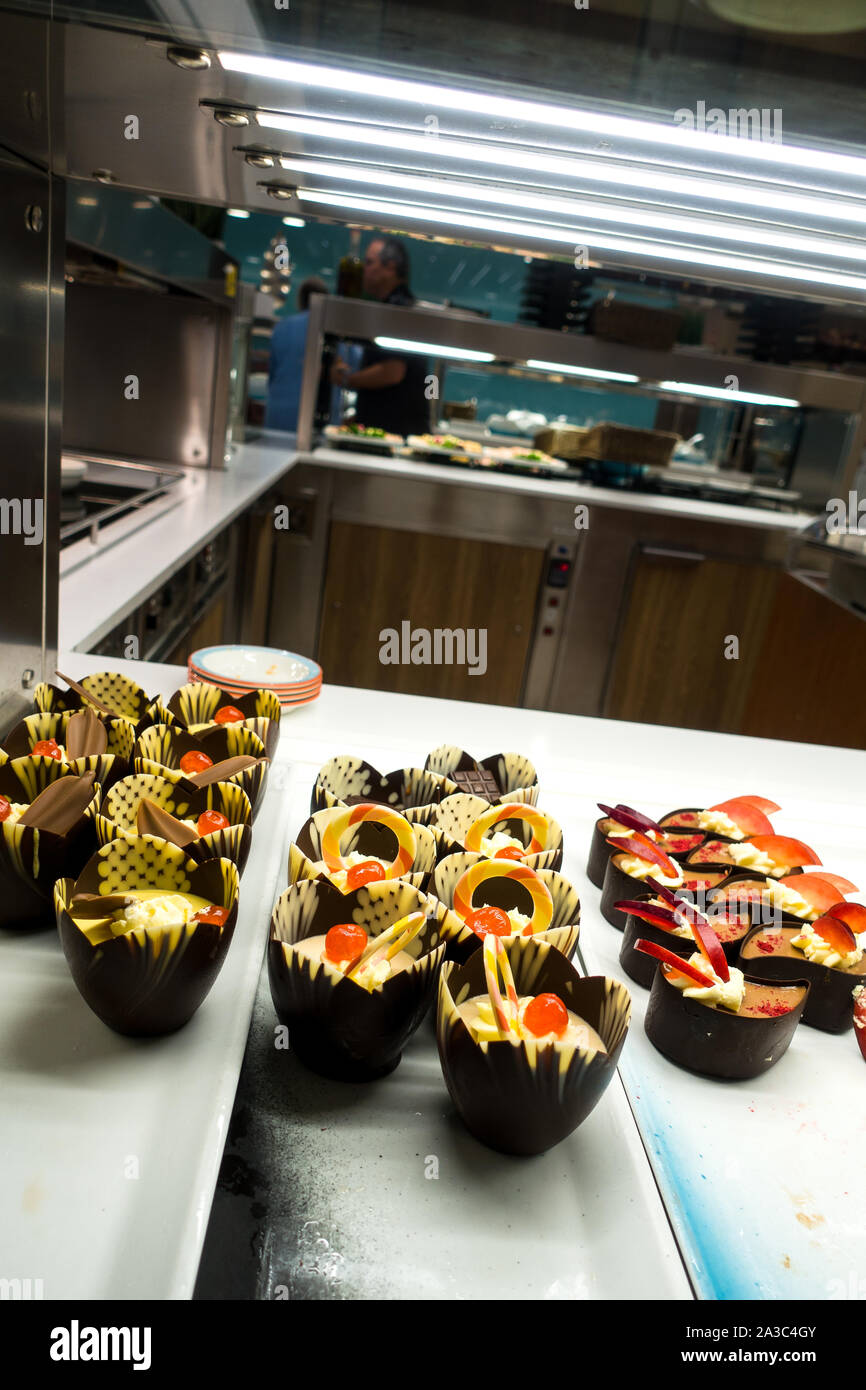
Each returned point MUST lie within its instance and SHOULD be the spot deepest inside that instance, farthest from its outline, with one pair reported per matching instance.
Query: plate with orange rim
(255, 668)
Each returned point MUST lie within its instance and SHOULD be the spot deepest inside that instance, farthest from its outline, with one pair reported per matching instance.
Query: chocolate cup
(140, 984)
(728, 866)
(619, 886)
(118, 814)
(600, 851)
(160, 749)
(33, 859)
(336, 1028)
(716, 1042)
(522, 1098)
(514, 774)
(670, 821)
(456, 813)
(830, 1005)
(196, 704)
(761, 916)
(564, 928)
(346, 780)
(368, 838)
(108, 767)
(113, 689)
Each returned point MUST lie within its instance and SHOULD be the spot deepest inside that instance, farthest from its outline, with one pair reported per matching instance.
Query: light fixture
(87, 202)
(571, 236)
(294, 222)
(719, 393)
(434, 350)
(432, 97)
(104, 176)
(260, 161)
(584, 208)
(193, 59)
(142, 203)
(237, 212)
(233, 118)
(567, 370)
(511, 155)
(280, 190)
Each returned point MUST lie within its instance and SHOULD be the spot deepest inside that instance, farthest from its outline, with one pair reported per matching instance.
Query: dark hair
(312, 285)
(394, 253)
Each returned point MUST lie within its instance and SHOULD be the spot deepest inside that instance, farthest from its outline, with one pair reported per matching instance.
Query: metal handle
(686, 557)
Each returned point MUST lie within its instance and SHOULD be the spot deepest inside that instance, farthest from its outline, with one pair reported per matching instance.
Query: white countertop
(99, 590)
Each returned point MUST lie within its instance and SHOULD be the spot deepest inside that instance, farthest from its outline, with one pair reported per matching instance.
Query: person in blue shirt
(288, 343)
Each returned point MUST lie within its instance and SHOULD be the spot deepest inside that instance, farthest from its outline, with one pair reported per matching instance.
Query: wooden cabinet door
(378, 578)
(670, 664)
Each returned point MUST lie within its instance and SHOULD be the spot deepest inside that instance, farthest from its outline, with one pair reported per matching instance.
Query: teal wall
(471, 278)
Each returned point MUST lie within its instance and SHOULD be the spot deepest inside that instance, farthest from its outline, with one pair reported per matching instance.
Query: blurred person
(285, 370)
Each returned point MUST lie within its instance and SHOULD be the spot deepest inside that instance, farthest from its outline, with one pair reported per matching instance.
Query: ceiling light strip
(719, 393)
(565, 236)
(433, 98)
(434, 350)
(566, 370)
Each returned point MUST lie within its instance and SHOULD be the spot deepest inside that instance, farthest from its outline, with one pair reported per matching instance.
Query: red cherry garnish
(368, 872)
(47, 748)
(546, 1014)
(5, 808)
(229, 714)
(345, 942)
(209, 821)
(677, 964)
(216, 916)
(195, 761)
(509, 852)
(489, 921)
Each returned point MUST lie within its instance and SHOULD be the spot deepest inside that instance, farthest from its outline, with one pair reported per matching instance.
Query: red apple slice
(680, 966)
(708, 943)
(844, 885)
(838, 935)
(815, 889)
(854, 914)
(761, 803)
(626, 815)
(661, 891)
(749, 819)
(860, 1017)
(650, 912)
(782, 849)
(643, 848)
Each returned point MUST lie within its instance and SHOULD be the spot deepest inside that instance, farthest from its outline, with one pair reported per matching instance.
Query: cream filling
(626, 832)
(720, 823)
(372, 975)
(338, 876)
(641, 868)
(816, 949)
(751, 858)
(728, 993)
(16, 811)
(153, 910)
(789, 900)
(479, 1018)
(491, 844)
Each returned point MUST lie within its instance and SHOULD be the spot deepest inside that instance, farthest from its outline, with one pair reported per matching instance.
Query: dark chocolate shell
(336, 1027)
(716, 1042)
(117, 737)
(62, 838)
(564, 928)
(159, 751)
(620, 885)
(522, 1098)
(368, 838)
(119, 814)
(193, 707)
(345, 780)
(456, 813)
(600, 851)
(514, 775)
(637, 964)
(148, 982)
(830, 1005)
(122, 695)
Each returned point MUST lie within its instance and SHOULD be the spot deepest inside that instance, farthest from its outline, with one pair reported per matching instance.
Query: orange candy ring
(351, 816)
(509, 811)
(469, 883)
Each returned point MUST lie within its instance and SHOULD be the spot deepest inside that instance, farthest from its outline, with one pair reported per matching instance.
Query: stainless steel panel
(174, 345)
(29, 67)
(31, 309)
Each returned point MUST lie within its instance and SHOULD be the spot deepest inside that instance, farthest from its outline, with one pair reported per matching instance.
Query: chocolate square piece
(477, 781)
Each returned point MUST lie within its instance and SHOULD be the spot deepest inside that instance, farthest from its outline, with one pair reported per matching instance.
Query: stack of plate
(294, 679)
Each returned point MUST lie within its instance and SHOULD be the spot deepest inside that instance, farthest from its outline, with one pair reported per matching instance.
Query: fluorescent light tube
(686, 388)
(565, 236)
(742, 234)
(580, 371)
(510, 155)
(293, 222)
(237, 212)
(434, 350)
(597, 123)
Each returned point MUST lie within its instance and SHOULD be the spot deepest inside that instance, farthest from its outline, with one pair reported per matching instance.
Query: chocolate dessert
(824, 952)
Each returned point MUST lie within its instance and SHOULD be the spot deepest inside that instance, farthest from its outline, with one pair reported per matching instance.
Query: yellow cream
(749, 857)
(720, 823)
(728, 993)
(492, 844)
(16, 811)
(816, 949)
(154, 910)
(479, 1018)
(789, 900)
(641, 868)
